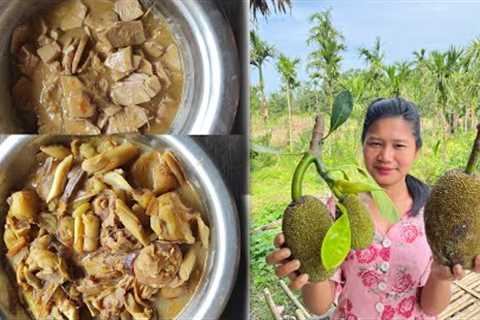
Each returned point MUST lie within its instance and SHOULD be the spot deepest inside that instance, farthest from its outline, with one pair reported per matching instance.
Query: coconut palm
(260, 52)
(264, 7)
(287, 69)
(324, 61)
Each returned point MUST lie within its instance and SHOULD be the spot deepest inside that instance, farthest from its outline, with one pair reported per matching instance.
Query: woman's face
(389, 150)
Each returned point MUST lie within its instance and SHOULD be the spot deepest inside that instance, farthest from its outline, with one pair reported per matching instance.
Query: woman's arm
(318, 296)
(435, 295)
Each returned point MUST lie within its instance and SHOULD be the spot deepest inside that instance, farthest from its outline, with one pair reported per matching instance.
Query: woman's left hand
(442, 272)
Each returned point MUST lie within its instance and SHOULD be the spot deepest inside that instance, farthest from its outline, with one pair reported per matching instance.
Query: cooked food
(88, 67)
(88, 237)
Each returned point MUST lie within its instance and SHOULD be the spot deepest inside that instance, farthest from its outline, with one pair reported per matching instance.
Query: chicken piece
(103, 264)
(136, 89)
(65, 231)
(150, 171)
(171, 58)
(124, 34)
(157, 264)
(128, 10)
(153, 48)
(76, 102)
(43, 177)
(81, 127)
(74, 178)
(117, 76)
(20, 36)
(130, 119)
(136, 310)
(68, 56)
(110, 159)
(28, 61)
(145, 67)
(162, 74)
(72, 15)
(49, 52)
(131, 222)
(170, 219)
(57, 151)
(79, 53)
(121, 61)
(24, 205)
(117, 181)
(101, 20)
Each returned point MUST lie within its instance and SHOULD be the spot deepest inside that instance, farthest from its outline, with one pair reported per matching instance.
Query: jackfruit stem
(474, 154)
(299, 174)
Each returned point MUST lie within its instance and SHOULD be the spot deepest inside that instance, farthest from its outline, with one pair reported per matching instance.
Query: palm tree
(443, 66)
(396, 75)
(324, 61)
(374, 59)
(264, 7)
(260, 52)
(287, 69)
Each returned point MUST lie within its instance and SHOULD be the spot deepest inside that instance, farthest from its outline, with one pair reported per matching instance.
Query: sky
(403, 26)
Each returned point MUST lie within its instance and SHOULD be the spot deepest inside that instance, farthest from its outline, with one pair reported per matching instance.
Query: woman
(395, 277)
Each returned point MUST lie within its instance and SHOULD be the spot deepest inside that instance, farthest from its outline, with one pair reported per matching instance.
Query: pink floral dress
(383, 281)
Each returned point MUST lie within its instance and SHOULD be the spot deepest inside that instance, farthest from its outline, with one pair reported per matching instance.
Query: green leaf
(342, 108)
(385, 206)
(436, 148)
(337, 242)
(349, 187)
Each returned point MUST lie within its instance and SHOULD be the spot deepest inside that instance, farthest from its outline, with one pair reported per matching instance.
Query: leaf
(436, 148)
(342, 108)
(349, 187)
(342, 171)
(337, 242)
(385, 206)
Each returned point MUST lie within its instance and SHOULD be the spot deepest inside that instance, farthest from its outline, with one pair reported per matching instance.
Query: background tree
(264, 7)
(287, 69)
(324, 61)
(374, 58)
(260, 52)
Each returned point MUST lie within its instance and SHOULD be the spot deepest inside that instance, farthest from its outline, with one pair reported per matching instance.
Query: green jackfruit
(452, 219)
(305, 223)
(361, 224)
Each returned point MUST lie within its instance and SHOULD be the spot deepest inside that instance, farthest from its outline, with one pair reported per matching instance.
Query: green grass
(270, 186)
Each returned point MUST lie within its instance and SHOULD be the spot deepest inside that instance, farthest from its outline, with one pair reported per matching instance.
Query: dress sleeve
(426, 273)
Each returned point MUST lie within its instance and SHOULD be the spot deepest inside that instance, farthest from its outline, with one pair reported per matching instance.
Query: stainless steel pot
(16, 161)
(206, 41)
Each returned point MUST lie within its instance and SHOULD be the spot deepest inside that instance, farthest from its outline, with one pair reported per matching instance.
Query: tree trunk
(290, 133)
(264, 107)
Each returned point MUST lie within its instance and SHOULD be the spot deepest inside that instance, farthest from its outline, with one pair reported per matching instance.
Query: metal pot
(209, 53)
(211, 296)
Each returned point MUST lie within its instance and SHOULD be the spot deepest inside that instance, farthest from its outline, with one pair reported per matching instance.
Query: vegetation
(444, 85)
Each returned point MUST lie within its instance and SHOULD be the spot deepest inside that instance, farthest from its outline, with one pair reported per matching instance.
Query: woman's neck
(399, 194)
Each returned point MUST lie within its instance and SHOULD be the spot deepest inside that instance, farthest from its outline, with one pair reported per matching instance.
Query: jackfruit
(305, 223)
(361, 224)
(452, 219)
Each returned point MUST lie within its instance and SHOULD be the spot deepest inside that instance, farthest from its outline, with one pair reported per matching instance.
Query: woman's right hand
(284, 266)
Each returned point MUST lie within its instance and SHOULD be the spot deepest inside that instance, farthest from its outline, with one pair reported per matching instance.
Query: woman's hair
(398, 107)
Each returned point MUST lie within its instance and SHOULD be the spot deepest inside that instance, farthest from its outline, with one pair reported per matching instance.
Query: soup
(97, 66)
(106, 229)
